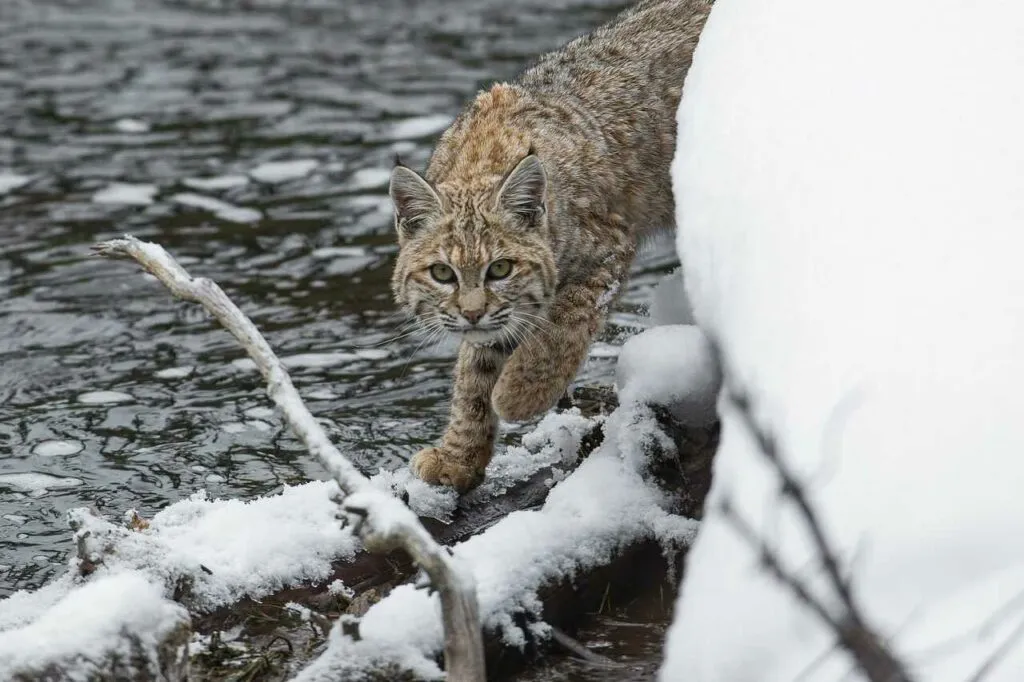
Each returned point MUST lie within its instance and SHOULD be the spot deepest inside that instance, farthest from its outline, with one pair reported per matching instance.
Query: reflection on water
(253, 139)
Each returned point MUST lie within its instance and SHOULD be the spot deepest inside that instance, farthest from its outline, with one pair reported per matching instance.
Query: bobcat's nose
(473, 316)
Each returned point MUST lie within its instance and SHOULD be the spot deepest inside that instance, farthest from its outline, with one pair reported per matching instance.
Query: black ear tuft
(398, 161)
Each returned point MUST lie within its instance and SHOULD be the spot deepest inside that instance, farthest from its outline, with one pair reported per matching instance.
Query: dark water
(153, 93)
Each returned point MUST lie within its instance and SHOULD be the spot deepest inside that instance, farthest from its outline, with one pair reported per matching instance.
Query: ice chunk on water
(57, 448)
(131, 125)
(11, 181)
(221, 209)
(282, 171)
(174, 372)
(369, 178)
(216, 183)
(104, 398)
(328, 252)
(126, 193)
(419, 127)
(35, 483)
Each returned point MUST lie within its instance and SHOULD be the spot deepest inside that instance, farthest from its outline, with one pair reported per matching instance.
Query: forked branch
(384, 523)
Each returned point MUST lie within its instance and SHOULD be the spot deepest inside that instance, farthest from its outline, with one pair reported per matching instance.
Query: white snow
(37, 483)
(849, 183)
(221, 209)
(281, 171)
(231, 548)
(126, 193)
(105, 397)
(131, 125)
(11, 181)
(57, 448)
(216, 182)
(671, 365)
(77, 631)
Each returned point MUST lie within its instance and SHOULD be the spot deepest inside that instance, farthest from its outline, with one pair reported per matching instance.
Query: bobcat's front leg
(540, 370)
(468, 443)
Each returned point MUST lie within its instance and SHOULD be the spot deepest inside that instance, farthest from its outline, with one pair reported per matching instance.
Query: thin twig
(578, 649)
(793, 489)
(999, 654)
(386, 522)
(864, 645)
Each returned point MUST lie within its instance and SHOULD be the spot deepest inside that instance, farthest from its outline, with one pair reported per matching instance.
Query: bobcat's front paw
(515, 401)
(442, 467)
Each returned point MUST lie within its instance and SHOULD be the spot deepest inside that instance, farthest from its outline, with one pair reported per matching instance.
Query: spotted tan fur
(557, 172)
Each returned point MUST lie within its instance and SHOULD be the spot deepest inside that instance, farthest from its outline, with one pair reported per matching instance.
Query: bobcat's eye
(499, 269)
(442, 273)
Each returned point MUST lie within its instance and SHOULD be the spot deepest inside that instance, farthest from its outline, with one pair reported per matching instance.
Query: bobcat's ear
(415, 201)
(524, 191)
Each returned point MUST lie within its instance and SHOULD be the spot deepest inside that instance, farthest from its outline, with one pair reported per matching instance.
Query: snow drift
(850, 189)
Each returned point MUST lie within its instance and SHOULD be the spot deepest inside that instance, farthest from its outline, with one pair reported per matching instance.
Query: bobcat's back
(600, 113)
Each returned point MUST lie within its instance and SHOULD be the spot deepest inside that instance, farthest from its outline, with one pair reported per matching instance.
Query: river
(253, 139)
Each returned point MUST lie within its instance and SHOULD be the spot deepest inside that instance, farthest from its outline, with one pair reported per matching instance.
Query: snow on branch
(381, 521)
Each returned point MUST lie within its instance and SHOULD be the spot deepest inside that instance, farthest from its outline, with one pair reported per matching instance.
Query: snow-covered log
(643, 485)
(849, 181)
(523, 476)
(118, 627)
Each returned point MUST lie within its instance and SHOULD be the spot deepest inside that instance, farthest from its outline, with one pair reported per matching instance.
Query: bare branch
(793, 489)
(386, 522)
(861, 641)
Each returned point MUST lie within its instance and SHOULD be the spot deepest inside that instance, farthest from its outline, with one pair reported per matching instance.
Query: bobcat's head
(475, 257)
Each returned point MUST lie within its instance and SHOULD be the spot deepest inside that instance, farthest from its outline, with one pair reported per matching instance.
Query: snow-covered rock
(850, 189)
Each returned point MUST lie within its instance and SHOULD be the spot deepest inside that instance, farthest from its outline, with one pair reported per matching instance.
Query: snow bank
(118, 615)
(850, 189)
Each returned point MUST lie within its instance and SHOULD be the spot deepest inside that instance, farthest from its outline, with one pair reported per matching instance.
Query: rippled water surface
(253, 139)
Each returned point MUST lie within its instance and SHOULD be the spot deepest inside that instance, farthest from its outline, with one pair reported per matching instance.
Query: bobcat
(525, 225)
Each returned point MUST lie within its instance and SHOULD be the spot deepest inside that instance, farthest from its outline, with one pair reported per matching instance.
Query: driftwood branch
(867, 648)
(382, 521)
